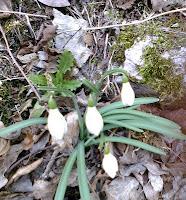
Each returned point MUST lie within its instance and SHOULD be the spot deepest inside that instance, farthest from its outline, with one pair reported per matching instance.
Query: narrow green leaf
(147, 116)
(124, 124)
(135, 143)
(62, 185)
(19, 125)
(156, 127)
(119, 104)
(132, 142)
(81, 169)
(89, 85)
(121, 117)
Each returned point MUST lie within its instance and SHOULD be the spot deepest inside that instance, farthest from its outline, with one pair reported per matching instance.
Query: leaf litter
(141, 176)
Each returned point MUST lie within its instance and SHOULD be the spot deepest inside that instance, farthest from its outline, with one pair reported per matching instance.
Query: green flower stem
(62, 185)
(128, 141)
(110, 72)
(4, 132)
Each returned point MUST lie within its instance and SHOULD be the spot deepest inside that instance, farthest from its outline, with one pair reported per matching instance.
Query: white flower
(127, 94)
(57, 124)
(93, 120)
(110, 164)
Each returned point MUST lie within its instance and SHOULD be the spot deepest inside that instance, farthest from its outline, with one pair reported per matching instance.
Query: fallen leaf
(54, 3)
(28, 141)
(159, 5)
(125, 4)
(5, 5)
(25, 170)
(156, 182)
(4, 146)
(126, 188)
(7, 161)
(150, 193)
(45, 189)
(47, 34)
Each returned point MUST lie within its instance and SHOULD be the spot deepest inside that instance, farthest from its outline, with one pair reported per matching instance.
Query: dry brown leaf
(54, 3)
(25, 170)
(28, 141)
(48, 34)
(125, 4)
(4, 146)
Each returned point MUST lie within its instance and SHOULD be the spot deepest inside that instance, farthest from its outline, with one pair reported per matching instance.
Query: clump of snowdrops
(94, 125)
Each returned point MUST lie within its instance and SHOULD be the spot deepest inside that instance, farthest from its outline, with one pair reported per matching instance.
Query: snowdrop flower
(127, 93)
(57, 124)
(93, 119)
(110, 164)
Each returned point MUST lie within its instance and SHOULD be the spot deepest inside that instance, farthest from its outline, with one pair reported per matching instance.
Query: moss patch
(159, 73)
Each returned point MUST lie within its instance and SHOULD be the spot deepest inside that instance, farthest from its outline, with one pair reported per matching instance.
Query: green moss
(124, 41)
(158, 73)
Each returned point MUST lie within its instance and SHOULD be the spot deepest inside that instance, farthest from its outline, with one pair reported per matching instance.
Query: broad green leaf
(19, 125)
(123, 124)
(63, 182)
(37, 111)
(66, 62)
(119, 104)
(81, 169)
(38, 79)
(70, 84)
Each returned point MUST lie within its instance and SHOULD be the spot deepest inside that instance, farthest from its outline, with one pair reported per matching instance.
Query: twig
(136, 21)
(17, 65)
(22, 13)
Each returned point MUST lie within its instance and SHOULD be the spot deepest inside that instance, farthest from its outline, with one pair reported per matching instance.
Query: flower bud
(93, 120)
(127, 94)
(110, 164)
(57, 124)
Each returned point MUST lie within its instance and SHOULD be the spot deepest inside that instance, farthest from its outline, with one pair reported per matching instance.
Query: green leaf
(81, 169)
(156, 127)
(119, 104)
(133, 142)
(117, 113)
(19, 125)
(90, 85)
(70, 85)
(65, 62)
(37, 111)
(63, 182)
(123, 124)
(38, 79)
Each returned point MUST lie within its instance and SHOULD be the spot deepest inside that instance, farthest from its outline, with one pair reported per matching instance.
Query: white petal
(110, 165)
(127, 94)
(93, 121)
(57, 124)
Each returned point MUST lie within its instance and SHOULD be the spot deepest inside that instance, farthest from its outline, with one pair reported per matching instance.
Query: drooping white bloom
(93, 120)
(110, 164)
(127, 94)
(57, 124)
